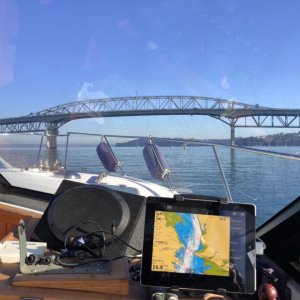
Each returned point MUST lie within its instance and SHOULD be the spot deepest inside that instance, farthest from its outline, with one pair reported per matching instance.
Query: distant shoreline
(275, 140)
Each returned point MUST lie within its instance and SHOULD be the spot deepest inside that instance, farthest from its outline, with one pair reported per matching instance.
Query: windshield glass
(194, 73)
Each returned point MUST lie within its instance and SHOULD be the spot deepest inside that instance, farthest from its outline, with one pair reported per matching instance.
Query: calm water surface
(268, 182)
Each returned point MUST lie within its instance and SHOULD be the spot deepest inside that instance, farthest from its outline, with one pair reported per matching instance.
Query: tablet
(199, 244)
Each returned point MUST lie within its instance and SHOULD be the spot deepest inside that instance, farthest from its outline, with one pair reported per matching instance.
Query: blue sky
(53, 52)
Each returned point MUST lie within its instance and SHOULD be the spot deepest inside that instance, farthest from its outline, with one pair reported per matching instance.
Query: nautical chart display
(191, 243)
(199, 244)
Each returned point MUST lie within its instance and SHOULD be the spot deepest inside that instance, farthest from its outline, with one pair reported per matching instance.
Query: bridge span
(233, 113)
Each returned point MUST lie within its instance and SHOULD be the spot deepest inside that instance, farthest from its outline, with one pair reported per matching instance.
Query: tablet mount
(180, 198)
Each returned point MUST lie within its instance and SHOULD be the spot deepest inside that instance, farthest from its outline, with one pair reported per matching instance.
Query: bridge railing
(233, 113)
(145, 103)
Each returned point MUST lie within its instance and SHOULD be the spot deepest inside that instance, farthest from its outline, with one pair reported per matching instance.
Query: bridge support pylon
(232, 135)
(51, 135)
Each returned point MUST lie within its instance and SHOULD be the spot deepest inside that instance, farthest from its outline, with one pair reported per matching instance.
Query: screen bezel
(204, 205)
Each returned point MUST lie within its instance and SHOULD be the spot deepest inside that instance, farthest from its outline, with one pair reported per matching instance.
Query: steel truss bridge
(233, 113)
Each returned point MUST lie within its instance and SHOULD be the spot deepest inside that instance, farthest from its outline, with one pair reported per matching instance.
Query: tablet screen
(198, 244)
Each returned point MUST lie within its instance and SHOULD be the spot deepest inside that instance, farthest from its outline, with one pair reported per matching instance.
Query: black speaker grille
(78, 210)
(77, 203)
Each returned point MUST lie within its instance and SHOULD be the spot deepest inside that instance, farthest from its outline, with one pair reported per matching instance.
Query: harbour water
(268, 182)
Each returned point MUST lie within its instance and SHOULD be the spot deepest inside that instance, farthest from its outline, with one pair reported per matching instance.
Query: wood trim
(114, 283)
(10, 218)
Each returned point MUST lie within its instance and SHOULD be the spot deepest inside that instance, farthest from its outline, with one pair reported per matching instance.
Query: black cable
(116, 236)
(125, 256)
(87, 222)
(100, 230)
(103, 235)
(65, 264)
(70, 253)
